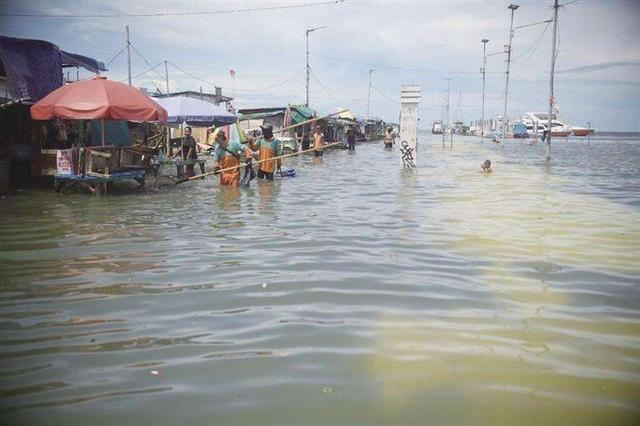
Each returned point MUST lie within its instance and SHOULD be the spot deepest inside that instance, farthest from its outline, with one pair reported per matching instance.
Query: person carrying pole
(226, 155)
(267, 147)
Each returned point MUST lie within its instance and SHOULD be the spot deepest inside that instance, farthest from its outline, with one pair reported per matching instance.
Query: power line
(145, 61)
(240, 90)
(384, 94)
(532, 49)
(117, 54)
(395, 67)
(161, 14)
(142, 73)
(326, 90)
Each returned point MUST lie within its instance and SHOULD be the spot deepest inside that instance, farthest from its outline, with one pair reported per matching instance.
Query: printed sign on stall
(64, 161)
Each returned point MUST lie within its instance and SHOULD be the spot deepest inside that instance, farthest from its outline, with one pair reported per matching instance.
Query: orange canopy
(98, 98)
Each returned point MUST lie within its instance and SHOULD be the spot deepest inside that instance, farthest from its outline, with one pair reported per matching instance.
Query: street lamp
(369, 93)
(310, 30)
(484, 70)
(513, 8)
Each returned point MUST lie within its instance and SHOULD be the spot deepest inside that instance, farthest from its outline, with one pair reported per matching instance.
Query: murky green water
(354, 293)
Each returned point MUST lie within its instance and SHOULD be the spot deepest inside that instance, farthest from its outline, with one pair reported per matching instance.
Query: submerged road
(354, 293)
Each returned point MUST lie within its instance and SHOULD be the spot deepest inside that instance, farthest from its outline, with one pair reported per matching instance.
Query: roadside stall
(186, 111)
(95, 167)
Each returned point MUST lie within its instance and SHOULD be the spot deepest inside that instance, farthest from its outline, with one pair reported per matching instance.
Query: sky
(597, 75)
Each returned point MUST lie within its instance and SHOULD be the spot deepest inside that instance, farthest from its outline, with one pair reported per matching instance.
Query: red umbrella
(98, 98)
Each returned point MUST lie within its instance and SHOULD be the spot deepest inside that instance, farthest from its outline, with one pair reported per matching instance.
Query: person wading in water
(228, 155)
(318, 142)
(267, 147)
(388, 138)
(189, 151)
(351, 139)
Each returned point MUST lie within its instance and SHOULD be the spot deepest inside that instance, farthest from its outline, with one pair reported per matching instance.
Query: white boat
(436, 129)
(537, 123)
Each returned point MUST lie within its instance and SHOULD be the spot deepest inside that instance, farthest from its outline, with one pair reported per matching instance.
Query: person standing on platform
(267, 147)
(189, 151)
(226, 155)
(318, 142)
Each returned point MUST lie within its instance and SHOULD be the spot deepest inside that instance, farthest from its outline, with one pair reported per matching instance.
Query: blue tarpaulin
(33, 67)
(75, 60)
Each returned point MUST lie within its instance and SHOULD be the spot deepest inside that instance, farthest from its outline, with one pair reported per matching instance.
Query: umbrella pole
(182, 140)
(102, 129)
(168, 130)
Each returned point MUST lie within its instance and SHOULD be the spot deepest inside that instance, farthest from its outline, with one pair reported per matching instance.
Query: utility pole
(310, 30)
(513, 7)
(484, 71)
(128, 55)
(369, 95)
(448, 118)
(166, 76)
(442, 121)
(553, 67)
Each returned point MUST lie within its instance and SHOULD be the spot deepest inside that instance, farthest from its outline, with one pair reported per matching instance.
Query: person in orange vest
(227, 155)
(267, 147)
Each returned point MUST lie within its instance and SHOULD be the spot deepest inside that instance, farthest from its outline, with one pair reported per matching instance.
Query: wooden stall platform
(97, 184)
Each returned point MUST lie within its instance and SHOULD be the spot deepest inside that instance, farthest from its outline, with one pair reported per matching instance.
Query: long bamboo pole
(307, 121)
(240, 166)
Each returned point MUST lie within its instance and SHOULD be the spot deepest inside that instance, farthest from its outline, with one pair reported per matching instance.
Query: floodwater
(354, 293)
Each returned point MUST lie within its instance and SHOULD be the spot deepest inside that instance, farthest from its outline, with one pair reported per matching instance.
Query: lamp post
(513, 8)
(310, 30)
(551, 75)
(369, 95)
(484, 70)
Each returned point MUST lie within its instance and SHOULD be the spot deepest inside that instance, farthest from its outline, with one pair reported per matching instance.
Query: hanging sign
(64, 161)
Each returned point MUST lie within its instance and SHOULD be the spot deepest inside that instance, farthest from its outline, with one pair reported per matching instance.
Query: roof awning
(75, 60)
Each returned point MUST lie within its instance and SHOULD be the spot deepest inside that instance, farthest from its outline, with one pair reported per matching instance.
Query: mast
(553, 67)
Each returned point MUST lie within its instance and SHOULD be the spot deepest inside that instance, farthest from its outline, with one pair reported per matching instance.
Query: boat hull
(560, 133)
(582, 132)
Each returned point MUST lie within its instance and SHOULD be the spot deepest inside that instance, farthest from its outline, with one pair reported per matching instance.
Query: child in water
(486, 166)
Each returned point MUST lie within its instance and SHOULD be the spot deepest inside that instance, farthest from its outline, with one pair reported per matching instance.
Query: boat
(436, 128)
(581, 131)
(537, 123)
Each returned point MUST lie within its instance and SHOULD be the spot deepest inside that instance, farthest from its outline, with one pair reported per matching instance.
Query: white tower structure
(409, 100)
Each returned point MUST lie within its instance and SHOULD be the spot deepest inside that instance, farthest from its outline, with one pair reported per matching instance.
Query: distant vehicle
(436, 129)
